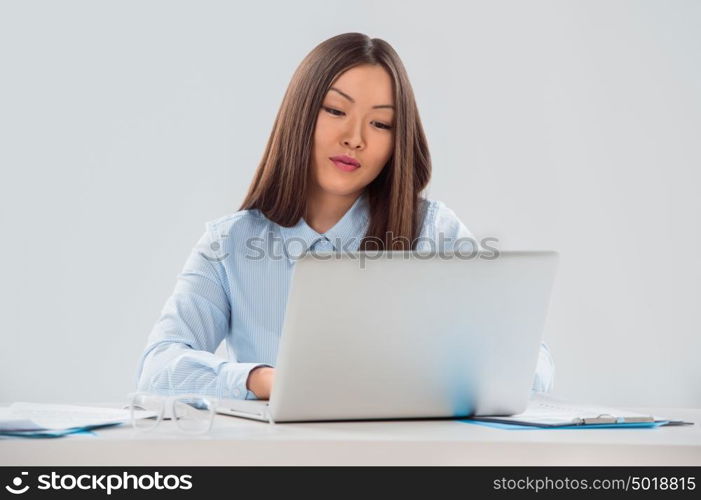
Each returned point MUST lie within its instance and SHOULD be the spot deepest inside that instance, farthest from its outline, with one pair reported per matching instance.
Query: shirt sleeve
(179, 356)
(445, 227)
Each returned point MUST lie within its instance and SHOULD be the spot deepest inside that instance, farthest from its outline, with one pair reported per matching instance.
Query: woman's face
(356, 120)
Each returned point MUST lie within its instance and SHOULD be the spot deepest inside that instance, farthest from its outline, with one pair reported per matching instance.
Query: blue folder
(511, 426)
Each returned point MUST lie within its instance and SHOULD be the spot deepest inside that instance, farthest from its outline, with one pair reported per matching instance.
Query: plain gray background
(564, 125)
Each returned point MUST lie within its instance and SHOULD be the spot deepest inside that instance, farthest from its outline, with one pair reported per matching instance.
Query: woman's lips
(346, 167)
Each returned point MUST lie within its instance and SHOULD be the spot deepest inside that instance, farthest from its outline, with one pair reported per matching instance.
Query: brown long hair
(279, 187)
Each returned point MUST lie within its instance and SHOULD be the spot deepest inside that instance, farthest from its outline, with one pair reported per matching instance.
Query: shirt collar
(345, 235)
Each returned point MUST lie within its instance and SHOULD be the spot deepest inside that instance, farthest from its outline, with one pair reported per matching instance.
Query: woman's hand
(260, 381)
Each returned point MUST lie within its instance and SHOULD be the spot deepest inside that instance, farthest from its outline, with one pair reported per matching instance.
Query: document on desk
(53, 420)
(546, 412)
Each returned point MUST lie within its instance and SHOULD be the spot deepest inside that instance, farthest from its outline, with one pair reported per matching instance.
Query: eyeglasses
(193, 413)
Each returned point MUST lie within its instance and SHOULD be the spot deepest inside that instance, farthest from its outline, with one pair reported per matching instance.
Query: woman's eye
(333, 111)
(336, 112)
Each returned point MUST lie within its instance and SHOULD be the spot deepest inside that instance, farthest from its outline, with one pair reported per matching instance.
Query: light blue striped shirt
(226, 294)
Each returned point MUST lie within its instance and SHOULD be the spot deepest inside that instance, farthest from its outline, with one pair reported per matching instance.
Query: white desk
(237, 441)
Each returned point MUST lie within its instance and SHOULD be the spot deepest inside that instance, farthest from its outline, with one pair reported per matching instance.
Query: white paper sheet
(38, 416)
(545, 410)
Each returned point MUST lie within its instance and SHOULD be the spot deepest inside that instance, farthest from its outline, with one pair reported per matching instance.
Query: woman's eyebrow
(353, 100)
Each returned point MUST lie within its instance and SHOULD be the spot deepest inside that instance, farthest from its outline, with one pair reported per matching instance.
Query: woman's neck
(324, 210)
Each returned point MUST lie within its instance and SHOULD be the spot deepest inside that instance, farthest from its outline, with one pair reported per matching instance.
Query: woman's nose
(353, 134)
(353, 144)
(353, 138)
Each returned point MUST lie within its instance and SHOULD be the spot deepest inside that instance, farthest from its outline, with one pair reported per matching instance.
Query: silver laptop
(406, 335)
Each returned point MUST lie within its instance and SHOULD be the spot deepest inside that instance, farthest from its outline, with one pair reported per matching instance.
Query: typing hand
(260, 381)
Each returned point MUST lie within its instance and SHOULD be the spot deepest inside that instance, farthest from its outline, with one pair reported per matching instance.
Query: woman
(343, 170)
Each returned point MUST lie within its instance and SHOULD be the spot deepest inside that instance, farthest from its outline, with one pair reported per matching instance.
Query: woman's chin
(341, 190)
(340, 187)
